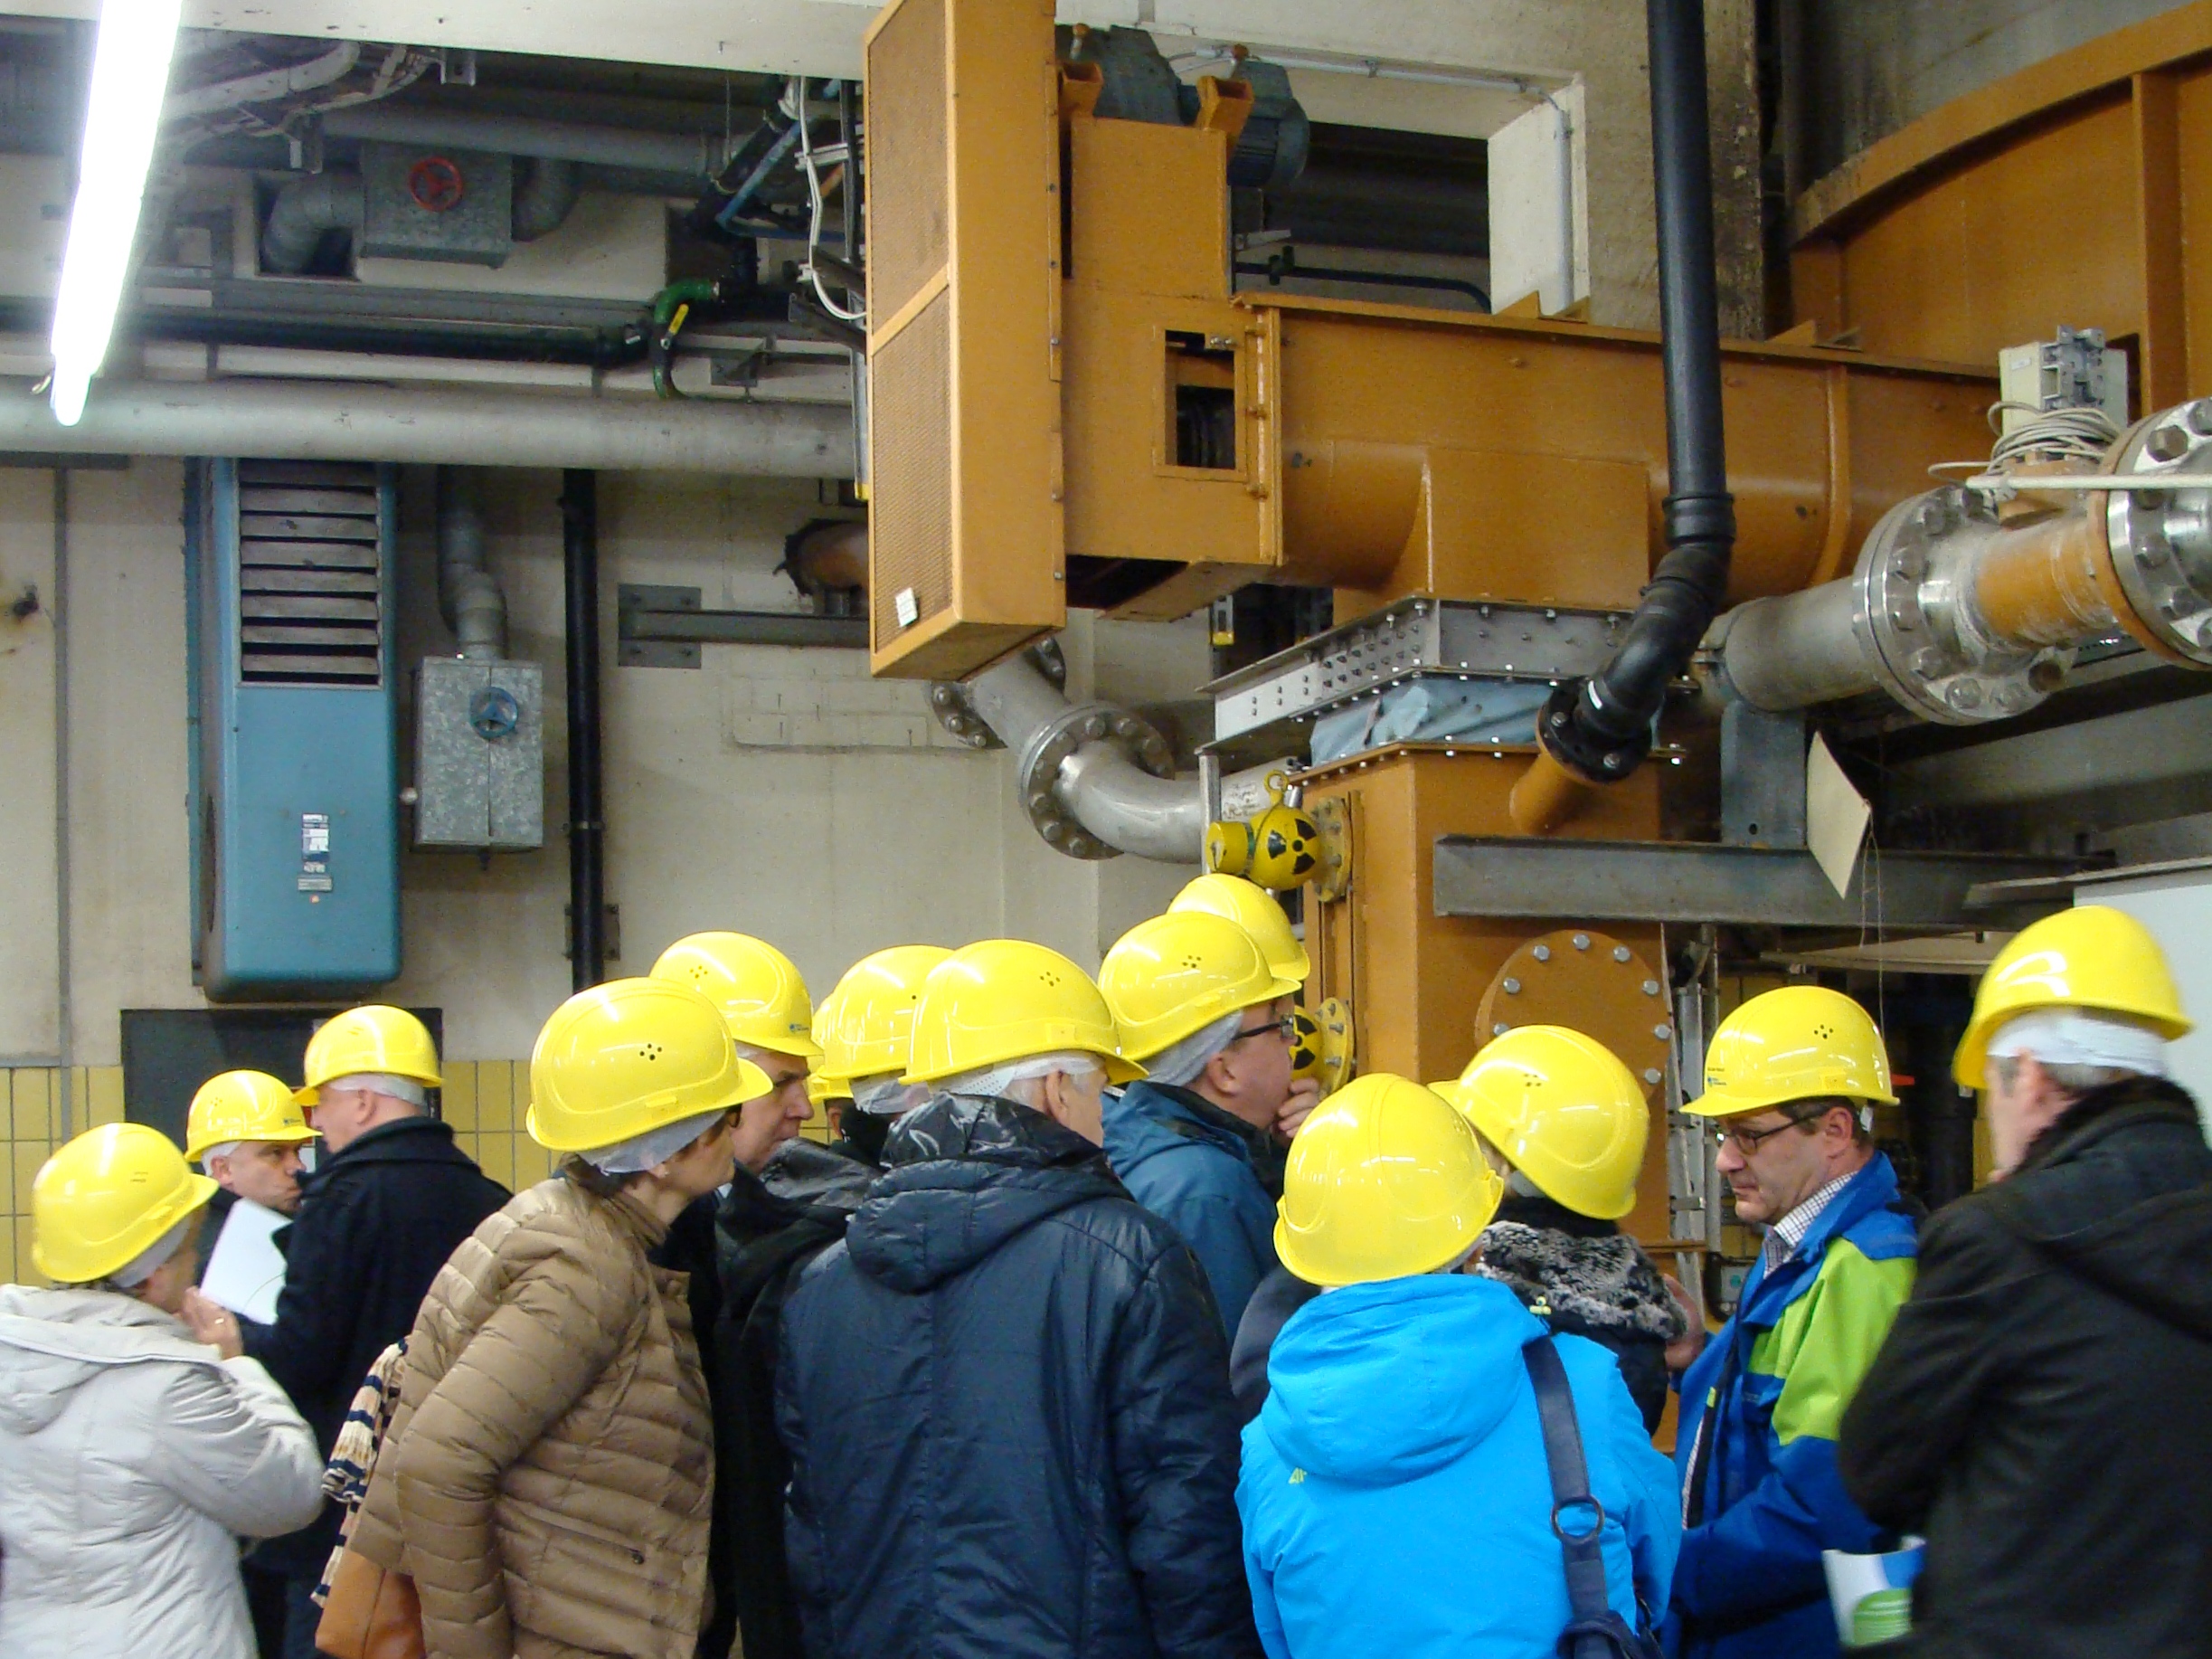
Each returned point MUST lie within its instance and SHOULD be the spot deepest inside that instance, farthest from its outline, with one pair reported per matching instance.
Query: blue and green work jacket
(1767, 1394)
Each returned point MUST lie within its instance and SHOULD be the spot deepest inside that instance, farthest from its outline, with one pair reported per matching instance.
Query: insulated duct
(1095, 780)
(468, 594)
(306, 208)
(308, 420)
(683, 155)
(1597, 730)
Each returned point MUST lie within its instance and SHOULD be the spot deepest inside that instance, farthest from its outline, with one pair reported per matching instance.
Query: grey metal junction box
(479, 754)
(436, 205)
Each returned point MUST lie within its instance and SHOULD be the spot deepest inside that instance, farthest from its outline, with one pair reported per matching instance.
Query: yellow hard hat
(1175, 975)
(243, 1106)
(628, 1057)
(1793, 1044)
(1385, 1181)
(1004, 1000)
(763, 1000)
(827, 1091)
(107, 1196)
(375, 1039)
(867, 1023)
(1564, 1111)
(1254, 910)
(2093, 958)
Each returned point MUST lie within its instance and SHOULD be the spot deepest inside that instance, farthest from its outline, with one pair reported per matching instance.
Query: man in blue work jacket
(1791, 1075)
(1206, 1012)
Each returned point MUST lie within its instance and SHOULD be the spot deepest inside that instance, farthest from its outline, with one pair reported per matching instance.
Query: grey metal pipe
(306, 420)
(1110, 795)
(303, 209)
(1796, 649)
(692, 154)
(468, 592)
(1126, 806)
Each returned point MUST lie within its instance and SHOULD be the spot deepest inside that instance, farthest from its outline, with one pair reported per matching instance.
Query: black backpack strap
(1595, 1631)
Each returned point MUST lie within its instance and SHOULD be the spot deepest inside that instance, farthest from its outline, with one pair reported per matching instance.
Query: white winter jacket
(131, 1460)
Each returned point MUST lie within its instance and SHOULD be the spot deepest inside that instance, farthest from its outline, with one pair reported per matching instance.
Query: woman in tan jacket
(547, 1475)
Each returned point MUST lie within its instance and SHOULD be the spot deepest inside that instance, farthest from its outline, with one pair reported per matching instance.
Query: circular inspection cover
(1589, 982)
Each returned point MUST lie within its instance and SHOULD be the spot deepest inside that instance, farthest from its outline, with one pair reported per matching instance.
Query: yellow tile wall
(34, 1111)
(485, 1101)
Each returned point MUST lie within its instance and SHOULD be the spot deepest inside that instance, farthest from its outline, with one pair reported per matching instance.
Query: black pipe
(1600, 728)
(586, 828)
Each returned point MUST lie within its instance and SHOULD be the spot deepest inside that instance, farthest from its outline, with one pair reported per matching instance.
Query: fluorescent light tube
(130, 77)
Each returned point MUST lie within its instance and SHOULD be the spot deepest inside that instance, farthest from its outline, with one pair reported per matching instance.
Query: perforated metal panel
(910, 552)
(965, 553)
(906, 156)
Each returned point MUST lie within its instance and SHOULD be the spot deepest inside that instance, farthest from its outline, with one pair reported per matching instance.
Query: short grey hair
(2071, 1080)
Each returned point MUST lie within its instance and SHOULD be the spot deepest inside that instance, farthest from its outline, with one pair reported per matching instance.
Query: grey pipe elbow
(545, 190)
(306, 208)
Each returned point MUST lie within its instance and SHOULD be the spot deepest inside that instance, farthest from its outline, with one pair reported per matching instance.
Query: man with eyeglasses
(1209, 1016)
(1792, 1077)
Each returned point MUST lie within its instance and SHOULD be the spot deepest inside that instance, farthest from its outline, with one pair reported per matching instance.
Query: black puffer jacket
(1596, 1281)
(2038, 1411)
(1006, 1397)
(376, 1222)
(766, 1229)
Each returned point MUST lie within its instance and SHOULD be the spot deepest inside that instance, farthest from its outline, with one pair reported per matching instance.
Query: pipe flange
(954, 706)
(2162, 540)
(1037, 769)
(1916, 629)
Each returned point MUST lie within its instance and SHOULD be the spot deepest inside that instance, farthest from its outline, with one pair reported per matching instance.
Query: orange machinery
(1071, 405)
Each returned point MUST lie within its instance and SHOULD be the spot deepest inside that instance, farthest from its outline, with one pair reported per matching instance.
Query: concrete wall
(853, 836)
(1857, 72)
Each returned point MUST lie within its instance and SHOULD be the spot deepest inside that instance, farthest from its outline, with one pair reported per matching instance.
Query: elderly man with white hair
(1006, 1391)
(384, 1209)
(2039, 1410)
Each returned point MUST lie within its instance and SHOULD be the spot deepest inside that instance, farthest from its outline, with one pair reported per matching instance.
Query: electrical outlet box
(479, 754)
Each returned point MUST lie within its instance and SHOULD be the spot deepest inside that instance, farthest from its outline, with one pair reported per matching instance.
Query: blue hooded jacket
(1193, 1166)
(1395, 1492)
(1765, 1402)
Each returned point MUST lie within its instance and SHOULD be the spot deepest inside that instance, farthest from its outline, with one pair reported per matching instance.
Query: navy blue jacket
(1006, 1398)
(1196, 1168)
(376, 1222)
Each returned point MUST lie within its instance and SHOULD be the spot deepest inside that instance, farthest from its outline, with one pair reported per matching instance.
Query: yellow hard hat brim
(1119, 1070)
(274, 1137)
(1970, 1063)
(752, 1083)
(198, 1189)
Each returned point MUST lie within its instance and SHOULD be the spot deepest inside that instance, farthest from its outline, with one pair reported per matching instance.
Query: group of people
(1095, 1331)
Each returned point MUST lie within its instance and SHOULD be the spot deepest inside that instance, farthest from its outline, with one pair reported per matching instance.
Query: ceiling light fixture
(130, 76)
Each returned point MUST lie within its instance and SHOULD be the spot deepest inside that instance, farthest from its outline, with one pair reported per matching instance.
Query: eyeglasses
(1286, 1028)
(1746, 1140)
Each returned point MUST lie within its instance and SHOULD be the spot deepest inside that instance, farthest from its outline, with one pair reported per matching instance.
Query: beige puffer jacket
(547, 1476)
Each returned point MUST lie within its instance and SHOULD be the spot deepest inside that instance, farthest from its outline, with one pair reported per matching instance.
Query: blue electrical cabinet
(296, 775)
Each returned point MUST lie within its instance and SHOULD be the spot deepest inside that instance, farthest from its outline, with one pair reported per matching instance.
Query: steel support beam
(1694, 881)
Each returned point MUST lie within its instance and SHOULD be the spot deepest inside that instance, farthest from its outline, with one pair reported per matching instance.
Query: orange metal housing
(2066, 195)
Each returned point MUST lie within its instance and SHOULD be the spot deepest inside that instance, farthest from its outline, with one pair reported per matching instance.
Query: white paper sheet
(1836, 816)
(245, 1270)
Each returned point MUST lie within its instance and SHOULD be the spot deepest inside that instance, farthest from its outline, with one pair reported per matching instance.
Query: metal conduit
(304, 420)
